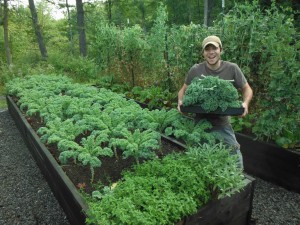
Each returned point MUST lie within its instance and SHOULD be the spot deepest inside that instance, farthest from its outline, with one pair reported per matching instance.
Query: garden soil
(26, 198)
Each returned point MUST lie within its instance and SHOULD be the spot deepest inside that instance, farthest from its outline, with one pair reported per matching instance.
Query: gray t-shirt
(227, 71)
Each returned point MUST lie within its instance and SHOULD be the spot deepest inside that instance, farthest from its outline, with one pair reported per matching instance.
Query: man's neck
(214, 66)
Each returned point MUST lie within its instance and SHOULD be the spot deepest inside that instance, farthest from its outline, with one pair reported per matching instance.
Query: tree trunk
(205, 13)
(209, 16)
(37, 30)
(81, 28)
(109, 11)
(5, 28)
(70, 27)
(199, 10)
(141, 7)
(208, 5)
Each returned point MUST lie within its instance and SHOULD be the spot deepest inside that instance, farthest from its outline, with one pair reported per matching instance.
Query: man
(214, 66)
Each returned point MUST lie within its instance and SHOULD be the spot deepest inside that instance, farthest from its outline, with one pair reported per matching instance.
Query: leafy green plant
(271, 66)
(31, 101)
(164, 191)
(191, 132)
(87, 154)
(149, 200)
(242, 124)
(155, 97)
(211, 93)
(128, 113)
(139, 144)
(219, 168)
(78, 67)
(57, 130)
(159, 120)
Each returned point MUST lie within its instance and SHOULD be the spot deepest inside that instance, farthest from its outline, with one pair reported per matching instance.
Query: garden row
(88, 126)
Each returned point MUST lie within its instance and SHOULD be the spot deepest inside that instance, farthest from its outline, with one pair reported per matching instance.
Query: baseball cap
(214, 40)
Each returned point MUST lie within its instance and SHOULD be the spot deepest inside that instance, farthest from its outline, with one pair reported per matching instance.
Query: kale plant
(191, 132)
(138, 144)
(88, 153)
(57, 130)
(159, 120)
(211, 93)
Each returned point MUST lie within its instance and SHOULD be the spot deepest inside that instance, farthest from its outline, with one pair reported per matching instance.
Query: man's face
(212, 55)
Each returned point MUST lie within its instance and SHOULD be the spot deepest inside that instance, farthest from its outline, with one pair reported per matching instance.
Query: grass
(2, 89)
(3, 103)
(2, 98)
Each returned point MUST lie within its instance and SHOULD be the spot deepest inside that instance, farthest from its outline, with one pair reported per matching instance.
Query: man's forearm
(181, 94)
(180, 97)
(247, 94)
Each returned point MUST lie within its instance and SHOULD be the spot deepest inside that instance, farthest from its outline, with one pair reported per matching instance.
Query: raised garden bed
(271, 162)
(230, 210)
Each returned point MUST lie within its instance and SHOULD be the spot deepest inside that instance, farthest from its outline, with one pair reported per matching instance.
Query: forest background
(128, 44)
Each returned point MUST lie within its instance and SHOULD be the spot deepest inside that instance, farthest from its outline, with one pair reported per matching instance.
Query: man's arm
(247, 94)
(180, 95)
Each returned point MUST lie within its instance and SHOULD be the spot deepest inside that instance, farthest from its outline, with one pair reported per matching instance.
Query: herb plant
(163, 191)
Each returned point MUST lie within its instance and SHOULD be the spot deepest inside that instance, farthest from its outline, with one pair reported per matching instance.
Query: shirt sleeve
(193, 72)
(239, 77)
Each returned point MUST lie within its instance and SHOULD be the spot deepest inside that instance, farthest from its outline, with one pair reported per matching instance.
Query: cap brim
(211, 43)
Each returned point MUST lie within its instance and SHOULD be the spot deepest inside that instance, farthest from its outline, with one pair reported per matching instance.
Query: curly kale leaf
(158, 120)
(88, 153)
(192, 133)
(211, 93)
(137, 144)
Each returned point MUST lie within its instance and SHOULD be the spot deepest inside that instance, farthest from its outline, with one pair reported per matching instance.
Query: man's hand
(245, 106)
(179, 104)
(247, 96)
(180, 96)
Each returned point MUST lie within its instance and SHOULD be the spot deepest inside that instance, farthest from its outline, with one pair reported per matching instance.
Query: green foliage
(57, 130)
(266, 62)
(211, 93)
(270, 63)
(164, 191)
(159, 120)
(184, 48)
(155, 58)
(87, 154)
(97, 118)
(192, 133)
(140, 145)
(79, 68)
(219, 167)
(106, 44)
(47, 84)
(154, 97)
(241, 124)
(113, 83)
(153, 202)
(158, 192)
(128, 114)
